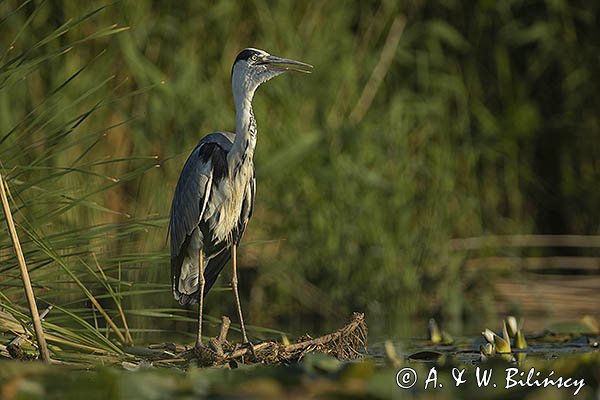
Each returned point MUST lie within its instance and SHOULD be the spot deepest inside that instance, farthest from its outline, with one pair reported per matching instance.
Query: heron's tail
(185, 270)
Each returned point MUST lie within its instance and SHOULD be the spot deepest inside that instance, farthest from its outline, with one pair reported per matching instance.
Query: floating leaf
(425, 355)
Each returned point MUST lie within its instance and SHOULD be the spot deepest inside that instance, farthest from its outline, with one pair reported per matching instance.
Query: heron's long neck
(245, 132)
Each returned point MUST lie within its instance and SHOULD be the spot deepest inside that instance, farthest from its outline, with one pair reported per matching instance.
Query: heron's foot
(199, 346)
(208, 354)
(248, 344)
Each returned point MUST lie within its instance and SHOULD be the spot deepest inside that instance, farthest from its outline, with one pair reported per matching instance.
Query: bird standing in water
(214, 197)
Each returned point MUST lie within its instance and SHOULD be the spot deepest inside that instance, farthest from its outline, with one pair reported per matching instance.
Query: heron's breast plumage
(227, 199)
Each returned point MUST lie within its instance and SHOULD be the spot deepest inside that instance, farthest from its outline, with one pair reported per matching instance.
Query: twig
(257, 348)
(35, 316)
(354, 324)
(225, 323)
(345, 343)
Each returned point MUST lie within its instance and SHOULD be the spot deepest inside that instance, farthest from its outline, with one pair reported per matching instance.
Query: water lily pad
(425, 355)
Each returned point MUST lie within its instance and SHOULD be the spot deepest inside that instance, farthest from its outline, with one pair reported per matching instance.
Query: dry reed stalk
(35, 316)
(380, 70)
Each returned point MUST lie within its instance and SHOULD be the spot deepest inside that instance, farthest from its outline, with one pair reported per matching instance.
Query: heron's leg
(201, 294)
(234, 284)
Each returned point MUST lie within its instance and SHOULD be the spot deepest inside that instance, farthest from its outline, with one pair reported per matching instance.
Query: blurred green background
(423, 122)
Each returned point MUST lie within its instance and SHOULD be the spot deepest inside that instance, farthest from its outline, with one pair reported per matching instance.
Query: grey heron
(214, 196)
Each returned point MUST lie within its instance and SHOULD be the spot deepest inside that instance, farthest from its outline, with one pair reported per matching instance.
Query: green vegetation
(421, 123)
(320, 376)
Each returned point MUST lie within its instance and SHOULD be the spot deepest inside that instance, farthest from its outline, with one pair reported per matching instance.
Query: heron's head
(252, 67)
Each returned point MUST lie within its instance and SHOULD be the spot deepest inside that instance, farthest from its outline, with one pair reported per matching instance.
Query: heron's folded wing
(206, 163)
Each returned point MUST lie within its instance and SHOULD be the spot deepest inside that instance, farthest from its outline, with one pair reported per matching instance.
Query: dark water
(543, 301)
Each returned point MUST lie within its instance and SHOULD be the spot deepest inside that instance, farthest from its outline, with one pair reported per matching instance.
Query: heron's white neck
(245, 126)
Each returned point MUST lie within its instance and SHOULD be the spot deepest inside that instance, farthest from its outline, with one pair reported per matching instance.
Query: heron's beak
(283, 64)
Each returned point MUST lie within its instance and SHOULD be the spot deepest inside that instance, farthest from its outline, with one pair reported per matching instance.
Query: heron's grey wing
(207, 163)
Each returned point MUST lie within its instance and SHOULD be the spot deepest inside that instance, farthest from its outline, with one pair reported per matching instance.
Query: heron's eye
(254, 58)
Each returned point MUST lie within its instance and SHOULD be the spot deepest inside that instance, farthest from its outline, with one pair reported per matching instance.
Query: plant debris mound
(346, 343)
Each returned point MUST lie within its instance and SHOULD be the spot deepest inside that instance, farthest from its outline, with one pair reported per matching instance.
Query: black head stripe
(246, 54)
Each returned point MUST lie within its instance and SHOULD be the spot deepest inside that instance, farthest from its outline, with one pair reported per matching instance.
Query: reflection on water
(546, 298)
(542, 296)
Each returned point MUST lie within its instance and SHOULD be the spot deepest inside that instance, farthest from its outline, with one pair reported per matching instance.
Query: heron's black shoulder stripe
(217, 157)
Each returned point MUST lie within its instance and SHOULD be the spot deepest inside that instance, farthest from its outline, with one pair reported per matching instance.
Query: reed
(29, 295)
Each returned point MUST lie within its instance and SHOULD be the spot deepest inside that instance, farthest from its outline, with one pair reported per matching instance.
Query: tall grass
(485, 122)
(50, 131)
